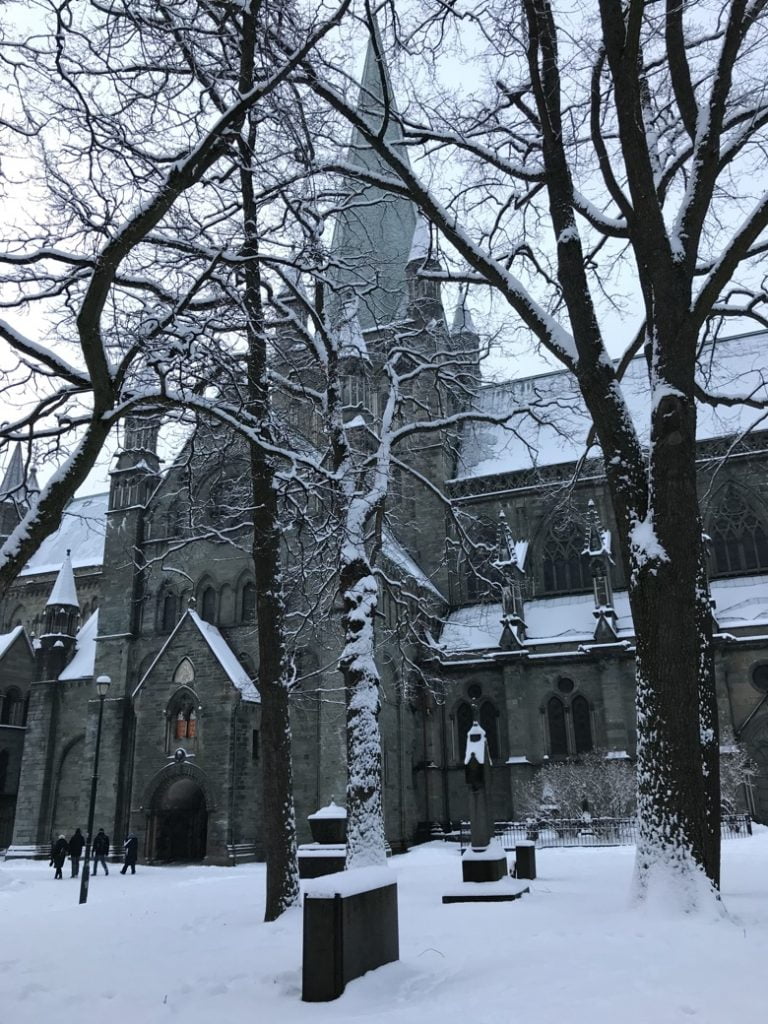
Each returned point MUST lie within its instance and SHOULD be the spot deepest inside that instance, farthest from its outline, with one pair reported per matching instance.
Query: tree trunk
(279, 817)
(366, 844)
(676, 719)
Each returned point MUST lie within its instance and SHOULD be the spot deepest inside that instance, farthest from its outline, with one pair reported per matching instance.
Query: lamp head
(103, 684)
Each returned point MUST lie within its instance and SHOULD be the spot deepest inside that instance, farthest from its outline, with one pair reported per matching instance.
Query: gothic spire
(597, 547)
(14, 477)
(374, 228)
(510, 558)
(64, 593)
(462, 319)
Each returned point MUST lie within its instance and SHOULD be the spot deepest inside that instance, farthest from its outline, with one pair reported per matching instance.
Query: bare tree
(156, 108)
(622, 135)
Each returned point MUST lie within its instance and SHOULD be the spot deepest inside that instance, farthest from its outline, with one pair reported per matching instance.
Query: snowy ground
(187, 944)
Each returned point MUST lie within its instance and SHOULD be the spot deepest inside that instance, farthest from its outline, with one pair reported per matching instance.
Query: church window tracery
(564, 568)
(558, 730)
(169, 611)
(569, 723)
(248, 604)
(739, 538)
(182, 718)
(13, 710)
(208, 604)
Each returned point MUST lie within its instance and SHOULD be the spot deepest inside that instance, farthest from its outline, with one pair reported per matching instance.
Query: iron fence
(560, 832)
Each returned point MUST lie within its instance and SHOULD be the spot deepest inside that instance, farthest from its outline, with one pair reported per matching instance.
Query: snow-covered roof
(393, 550)
(561, 424)
(84, 661)
(219, 647)
(7, 640)
(226, 657)
(64, 590)
(740, 602)
(82, 530)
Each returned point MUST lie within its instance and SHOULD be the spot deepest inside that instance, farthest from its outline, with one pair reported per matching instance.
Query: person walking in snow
(100, 851)
(76, 844)
(59, 852)
(131, 848)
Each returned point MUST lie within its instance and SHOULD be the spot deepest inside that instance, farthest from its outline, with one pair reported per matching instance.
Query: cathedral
(510, 585)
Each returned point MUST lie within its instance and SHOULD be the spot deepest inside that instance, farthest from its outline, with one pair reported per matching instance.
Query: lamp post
(103, 684)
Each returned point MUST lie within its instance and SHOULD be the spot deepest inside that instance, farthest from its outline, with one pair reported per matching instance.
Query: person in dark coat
(100, 851)
(76, 844)
(131, 848)
(59, 852)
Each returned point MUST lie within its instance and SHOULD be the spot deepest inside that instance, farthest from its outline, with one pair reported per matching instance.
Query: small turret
(62, 612)
(597, 547)
(138, 465)
(510, 559)
(465, 342)
(424, 300)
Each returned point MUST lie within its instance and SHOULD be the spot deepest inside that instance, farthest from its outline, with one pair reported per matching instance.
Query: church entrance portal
(179, 823)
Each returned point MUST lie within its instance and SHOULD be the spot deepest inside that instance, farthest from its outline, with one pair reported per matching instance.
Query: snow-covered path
(188, 944)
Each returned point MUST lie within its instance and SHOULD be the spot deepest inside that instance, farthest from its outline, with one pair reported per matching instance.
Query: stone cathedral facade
(512, 589)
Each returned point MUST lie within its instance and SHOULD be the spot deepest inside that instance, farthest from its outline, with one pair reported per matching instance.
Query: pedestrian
(59, 851)
(131, 847)
(100, 851)
(76, 844)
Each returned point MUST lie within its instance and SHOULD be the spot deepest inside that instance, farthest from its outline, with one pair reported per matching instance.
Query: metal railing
(561, 832)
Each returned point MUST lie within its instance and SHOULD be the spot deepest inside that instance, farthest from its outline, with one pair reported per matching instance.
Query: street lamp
(103, 684)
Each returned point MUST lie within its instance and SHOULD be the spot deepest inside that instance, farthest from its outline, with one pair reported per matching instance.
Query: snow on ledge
(349, 883)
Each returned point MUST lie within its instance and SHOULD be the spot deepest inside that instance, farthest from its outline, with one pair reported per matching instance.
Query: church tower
(62, 611)
(132, 483)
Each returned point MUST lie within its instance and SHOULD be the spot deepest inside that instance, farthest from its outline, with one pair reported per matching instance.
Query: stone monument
(484, 860)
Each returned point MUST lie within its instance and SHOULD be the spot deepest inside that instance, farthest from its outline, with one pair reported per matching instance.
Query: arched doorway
(179, 822)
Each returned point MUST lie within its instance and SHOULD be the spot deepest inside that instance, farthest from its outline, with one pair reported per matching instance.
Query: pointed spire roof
(462, 319)
(421, 245)
(64, 590)
(597, 541)
(509, 552)
(14, 478)
(374, 229)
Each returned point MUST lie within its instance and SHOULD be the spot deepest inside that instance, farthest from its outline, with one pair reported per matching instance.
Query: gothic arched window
(489, 720)
(582, 725)
(564, 567)
(208, 604)
(169, 611)
(248, 604)
(739, 538)
(13, 708)
(464, 720)
(182, 717)
(558, 729)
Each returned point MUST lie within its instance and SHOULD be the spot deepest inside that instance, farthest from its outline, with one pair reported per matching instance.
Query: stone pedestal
(350, 927)
(328, 853)
(487, 865)
(316, 859)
